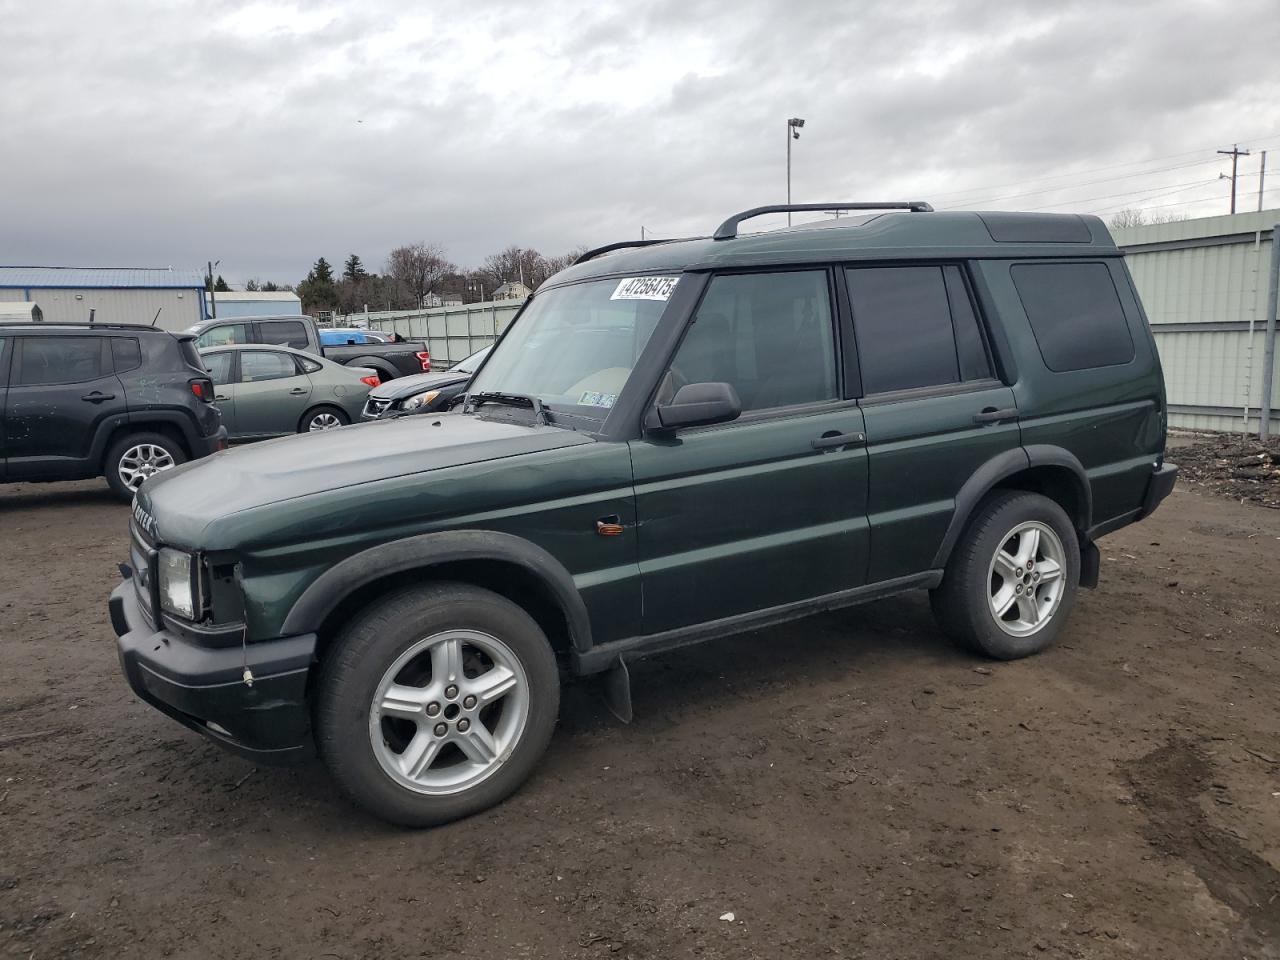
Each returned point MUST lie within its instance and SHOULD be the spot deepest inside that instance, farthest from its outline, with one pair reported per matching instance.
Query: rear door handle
(992, 415)
(297, 391)
(830, 440)
(218, 396)
(97, 397)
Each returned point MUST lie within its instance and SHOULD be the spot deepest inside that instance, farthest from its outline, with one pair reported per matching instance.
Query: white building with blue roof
(111, 294)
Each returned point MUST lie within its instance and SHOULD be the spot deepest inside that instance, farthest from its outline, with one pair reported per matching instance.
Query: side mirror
(697, 405)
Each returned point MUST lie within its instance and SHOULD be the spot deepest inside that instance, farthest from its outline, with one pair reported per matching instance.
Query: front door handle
(992, 415)
(98, 397)
(830, 440)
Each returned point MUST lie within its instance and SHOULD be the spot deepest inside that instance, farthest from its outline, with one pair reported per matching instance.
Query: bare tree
(418, 269)
(1134, 217)
(556, 264)
(515, 263)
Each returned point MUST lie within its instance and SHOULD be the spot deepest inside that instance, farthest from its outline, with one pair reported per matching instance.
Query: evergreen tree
(353, 271)
(221, 285)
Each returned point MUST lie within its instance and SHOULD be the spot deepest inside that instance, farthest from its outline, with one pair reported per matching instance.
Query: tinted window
(767, 334)
(224, 334)
(219, 366)
(126, 353)
(265, 365)
(915, 327)
(4, 361)
(1075, 314)
(60, 360)
(284, 333)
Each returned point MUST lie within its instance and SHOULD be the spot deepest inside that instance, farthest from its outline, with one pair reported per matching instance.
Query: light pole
(793, 133)
(213, 297)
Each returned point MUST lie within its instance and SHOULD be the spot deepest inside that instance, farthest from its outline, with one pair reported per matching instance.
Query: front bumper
(203, 688)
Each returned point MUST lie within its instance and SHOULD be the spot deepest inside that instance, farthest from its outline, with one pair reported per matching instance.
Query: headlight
(419, 400)
(178, 583)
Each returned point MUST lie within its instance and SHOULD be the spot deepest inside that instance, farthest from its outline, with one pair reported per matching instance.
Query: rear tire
(435, 703)
(322, 418)
(137, 456)
(1012, 578)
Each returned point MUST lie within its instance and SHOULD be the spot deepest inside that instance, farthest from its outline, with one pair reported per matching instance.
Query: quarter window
(126, 352)
(915, 327)
(258, 365)
(767, 334)
(60, 360)
(284, 333)
(1075, 314)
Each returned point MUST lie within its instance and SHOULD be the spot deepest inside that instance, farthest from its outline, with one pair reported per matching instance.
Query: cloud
(266, 134)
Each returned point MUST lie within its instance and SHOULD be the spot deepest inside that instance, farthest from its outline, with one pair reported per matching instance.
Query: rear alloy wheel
(133, 460)
(323, 418)
(436, 702)
(1012, 577)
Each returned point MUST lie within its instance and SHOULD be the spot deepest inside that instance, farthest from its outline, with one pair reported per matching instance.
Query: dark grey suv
(117, 401)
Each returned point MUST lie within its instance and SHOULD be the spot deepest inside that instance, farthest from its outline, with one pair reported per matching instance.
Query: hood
(180, 503)
(402, 387)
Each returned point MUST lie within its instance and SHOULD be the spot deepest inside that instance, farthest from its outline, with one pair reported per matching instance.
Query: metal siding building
(115, 295)
(1203, 283)
(256, 303)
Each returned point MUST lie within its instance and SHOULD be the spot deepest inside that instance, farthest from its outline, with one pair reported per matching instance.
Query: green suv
(673, 441)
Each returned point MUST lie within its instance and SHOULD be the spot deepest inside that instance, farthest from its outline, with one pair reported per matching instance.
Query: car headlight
(419, 400)
(178, 587)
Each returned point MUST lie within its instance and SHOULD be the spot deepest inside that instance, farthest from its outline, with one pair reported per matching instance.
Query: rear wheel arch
(504, 564)
(1051, 471)
(165, 427)
(386, 371)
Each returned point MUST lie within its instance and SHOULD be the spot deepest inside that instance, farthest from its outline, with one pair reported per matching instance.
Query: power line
(1126, 193)
(1087, 183)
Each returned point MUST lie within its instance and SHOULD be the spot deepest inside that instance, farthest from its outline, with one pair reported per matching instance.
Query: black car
(423, 393)
(96, 400)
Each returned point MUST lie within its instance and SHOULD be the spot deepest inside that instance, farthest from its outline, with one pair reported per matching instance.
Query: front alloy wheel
(448, 712)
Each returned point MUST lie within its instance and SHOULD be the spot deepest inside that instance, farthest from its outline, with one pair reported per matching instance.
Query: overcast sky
(267, 134)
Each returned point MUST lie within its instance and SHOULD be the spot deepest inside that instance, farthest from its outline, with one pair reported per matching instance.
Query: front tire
(1012, 579)
(436, 703)
(322, 418)
(136, 457)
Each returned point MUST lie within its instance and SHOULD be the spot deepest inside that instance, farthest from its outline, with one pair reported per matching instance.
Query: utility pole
(1262, 179)
(793, 133)
(213, 296)
(1269, 343)
(1235, 153)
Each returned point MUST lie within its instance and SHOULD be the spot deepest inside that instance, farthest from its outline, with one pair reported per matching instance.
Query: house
(513, 290)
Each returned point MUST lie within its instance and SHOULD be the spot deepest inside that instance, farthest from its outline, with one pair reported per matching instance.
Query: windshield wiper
(540, 414)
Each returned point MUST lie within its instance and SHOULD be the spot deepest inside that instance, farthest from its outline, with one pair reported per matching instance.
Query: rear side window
(1075, 314)
(223, 334)
(266, 365)
(59, 360)
(219, 367)
(284, 333)
(915, 327)
(4, 361)
(126, 353)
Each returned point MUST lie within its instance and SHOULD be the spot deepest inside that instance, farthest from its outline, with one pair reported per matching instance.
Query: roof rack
(729, 229)
(77, 324)
(624, 244)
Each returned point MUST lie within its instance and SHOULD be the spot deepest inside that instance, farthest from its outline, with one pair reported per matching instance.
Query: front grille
(374, 407)
(142, 557)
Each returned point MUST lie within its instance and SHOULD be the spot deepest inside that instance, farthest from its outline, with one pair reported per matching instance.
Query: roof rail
(729, 229)
(623, 244)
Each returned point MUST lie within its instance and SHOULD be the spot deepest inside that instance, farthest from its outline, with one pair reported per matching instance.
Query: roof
(94, 278)
(890, 236)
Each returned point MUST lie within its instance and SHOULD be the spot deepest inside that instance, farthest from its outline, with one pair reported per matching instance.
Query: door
(61, 391)
(6, 351)
(270, 394)
(769, 509)
(221, 367)
(934, 410)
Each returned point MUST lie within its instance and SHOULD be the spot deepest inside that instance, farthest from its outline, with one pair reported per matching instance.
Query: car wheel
(134, 458)
(1012, 579)
(436, 703)
(322, 418)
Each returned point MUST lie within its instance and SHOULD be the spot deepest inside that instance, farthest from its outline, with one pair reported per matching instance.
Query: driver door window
(769, 335)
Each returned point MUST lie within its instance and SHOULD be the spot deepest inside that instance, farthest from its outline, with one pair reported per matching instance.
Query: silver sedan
(267, 391)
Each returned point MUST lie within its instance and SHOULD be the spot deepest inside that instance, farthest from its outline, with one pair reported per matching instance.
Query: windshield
(575, 346)
(469, 365)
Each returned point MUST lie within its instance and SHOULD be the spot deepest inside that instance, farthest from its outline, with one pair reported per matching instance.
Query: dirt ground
(851, 786)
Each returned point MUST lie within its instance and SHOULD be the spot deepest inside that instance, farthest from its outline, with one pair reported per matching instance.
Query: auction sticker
(645, 288)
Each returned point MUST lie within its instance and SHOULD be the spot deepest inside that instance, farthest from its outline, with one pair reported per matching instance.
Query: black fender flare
(386, 369)
(433, 549)
(140, 422)
(1003, 465)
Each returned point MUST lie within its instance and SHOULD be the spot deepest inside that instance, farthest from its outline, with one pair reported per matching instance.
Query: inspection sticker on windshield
(594, 399)
(645, 288)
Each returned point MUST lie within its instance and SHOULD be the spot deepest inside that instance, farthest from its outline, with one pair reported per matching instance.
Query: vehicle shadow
(83, 493)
